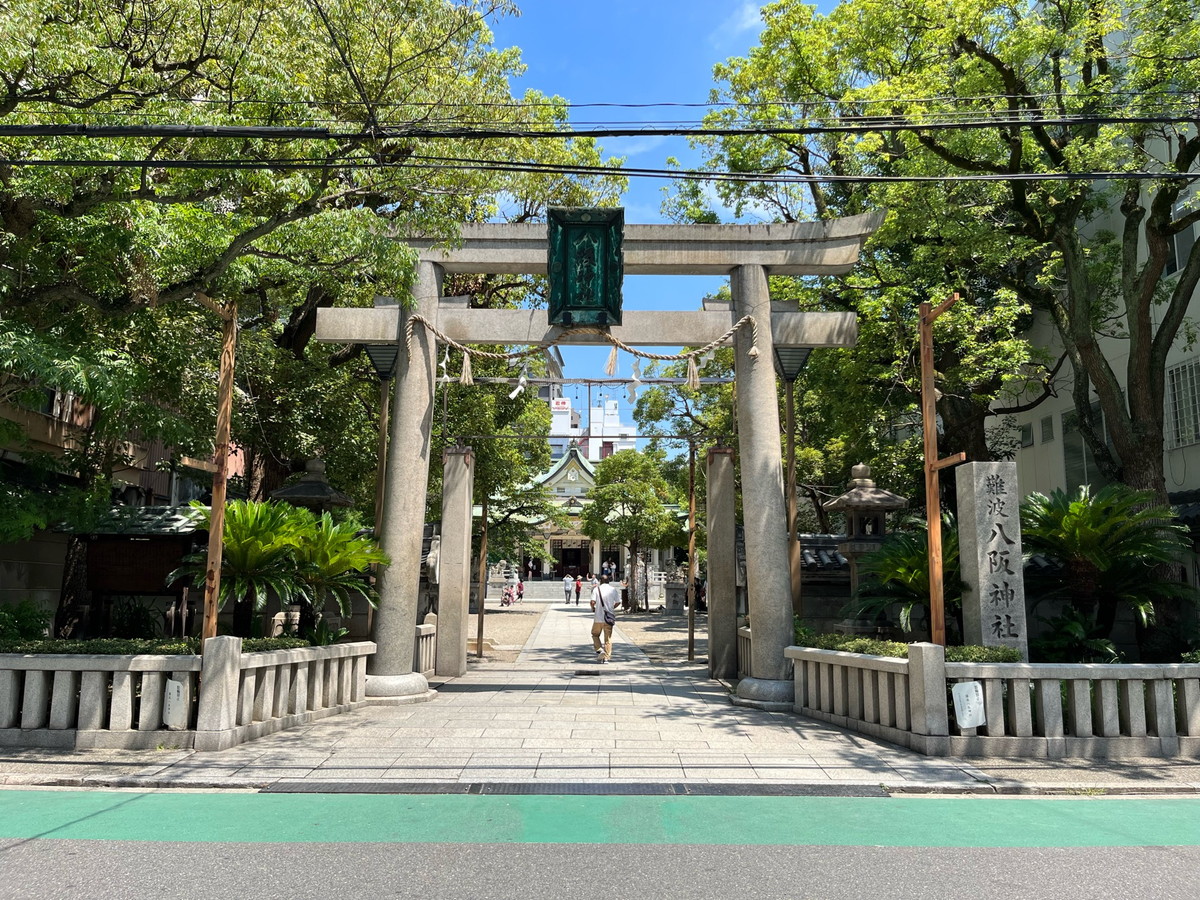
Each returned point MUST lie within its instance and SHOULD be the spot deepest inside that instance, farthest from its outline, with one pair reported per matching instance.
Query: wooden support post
(691, 582)
(933, 504)
(216, 526)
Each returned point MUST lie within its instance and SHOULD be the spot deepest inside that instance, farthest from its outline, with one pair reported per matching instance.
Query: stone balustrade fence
(214, 701)
(425, 655)
(1031, 709)
(743, 653)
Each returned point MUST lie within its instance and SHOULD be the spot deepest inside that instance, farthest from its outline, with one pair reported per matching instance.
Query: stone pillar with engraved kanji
(989, 538)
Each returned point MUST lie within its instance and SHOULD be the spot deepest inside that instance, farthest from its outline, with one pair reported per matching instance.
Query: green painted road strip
(796, 821)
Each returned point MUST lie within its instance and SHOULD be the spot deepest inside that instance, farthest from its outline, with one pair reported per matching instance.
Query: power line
(299, 163)
(850, 125)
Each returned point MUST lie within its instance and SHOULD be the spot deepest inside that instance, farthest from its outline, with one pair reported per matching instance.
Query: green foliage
(1192, 656)
(23, 621)
(1092, 254)
(135, 647)
(976, 654)
(259, 543)
(1073, 637)
(134, 617)
(322, 634)
(106, 272)
(273, 548)
(806, 637)
(1110, 545)
(334, 560)
(898, 574)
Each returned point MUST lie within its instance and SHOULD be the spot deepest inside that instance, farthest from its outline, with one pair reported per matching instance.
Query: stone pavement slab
(554, 715)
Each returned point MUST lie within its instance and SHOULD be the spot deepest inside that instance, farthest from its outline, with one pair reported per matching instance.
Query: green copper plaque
(585, 266)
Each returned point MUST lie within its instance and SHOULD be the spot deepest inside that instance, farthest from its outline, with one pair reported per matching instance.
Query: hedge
(130, 647)
(849, 643)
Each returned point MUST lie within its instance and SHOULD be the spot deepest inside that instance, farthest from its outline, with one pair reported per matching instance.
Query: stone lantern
(313, 491)
(866, 508)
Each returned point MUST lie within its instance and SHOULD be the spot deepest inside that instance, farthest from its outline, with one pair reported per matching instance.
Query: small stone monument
(989, 552)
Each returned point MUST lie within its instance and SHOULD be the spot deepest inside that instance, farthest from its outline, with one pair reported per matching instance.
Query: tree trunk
(74, 599)
(243, 618)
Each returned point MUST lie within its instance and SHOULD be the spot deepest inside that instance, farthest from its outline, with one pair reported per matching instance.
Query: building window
(1078, 459)
(1179, 247)
(1047, 429)
(1183, 405)
(1027, 434)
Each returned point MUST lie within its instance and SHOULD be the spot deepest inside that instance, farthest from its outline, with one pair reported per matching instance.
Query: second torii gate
(748, 254)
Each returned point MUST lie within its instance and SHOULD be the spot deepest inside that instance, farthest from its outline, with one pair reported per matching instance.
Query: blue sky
(631, 51)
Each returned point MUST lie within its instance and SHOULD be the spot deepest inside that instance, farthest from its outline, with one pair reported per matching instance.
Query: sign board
(968, 704)
(560, 404)
(585, 266)
(175, 707)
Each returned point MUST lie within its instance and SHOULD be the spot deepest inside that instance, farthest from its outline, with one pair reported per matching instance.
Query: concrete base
(396, 689)
(762, 693)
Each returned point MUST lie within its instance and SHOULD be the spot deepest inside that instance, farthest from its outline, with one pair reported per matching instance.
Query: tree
(628, 506)
(1060, 91)
(1111, 546)
(252, 231)
(259, 558)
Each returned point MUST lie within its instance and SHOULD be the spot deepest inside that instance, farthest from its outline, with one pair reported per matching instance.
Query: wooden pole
(216, 525)
(483, 550)
(691, 582)
(933, 503)
(794, 560)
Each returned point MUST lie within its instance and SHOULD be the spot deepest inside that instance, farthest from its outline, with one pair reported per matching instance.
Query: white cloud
(744, 20)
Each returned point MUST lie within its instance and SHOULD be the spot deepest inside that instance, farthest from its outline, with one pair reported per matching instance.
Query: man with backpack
(604, 606)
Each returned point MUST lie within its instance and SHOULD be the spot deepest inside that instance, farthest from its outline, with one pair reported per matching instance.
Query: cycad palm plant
(897, 574)
(259, 546)
(333, 560)
(1110, 546)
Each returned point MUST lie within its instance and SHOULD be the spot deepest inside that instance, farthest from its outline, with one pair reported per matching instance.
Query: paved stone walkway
(556, 716)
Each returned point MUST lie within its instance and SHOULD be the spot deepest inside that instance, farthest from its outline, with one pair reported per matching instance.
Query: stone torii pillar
(390, 670)
(722, 562)
(768, 574)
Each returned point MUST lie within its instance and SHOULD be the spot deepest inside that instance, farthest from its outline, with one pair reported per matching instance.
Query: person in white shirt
(568, 586)
(604, 605)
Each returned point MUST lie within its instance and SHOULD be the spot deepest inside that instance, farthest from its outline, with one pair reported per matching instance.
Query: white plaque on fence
(175, 711)
(968, 704)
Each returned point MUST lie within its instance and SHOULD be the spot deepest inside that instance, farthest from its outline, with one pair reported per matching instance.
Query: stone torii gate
(748, 254)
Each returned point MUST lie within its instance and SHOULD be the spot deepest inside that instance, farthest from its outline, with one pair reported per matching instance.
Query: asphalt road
(127, 844)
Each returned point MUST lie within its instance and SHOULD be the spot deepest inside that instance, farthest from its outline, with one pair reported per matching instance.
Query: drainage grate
(564, 789)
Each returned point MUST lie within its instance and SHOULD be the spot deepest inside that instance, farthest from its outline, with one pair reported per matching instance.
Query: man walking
(604, 606)
(568, 586)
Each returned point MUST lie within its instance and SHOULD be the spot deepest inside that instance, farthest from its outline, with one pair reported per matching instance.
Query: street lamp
(789, 361)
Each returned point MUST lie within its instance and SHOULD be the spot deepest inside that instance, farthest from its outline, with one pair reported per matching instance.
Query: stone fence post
(219, 673)
(927, 691)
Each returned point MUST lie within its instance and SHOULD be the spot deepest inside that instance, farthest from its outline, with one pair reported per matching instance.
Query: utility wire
(851, 125)
(541, 168)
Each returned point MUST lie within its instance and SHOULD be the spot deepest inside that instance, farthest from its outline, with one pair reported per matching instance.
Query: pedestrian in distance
(568, 586)
(604, 608)
(578, 588)
(520, 590)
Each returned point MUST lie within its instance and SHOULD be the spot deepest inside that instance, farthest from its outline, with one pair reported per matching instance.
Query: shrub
(123, 647)
(848, 643)
(23, 621)
(1192, 656)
